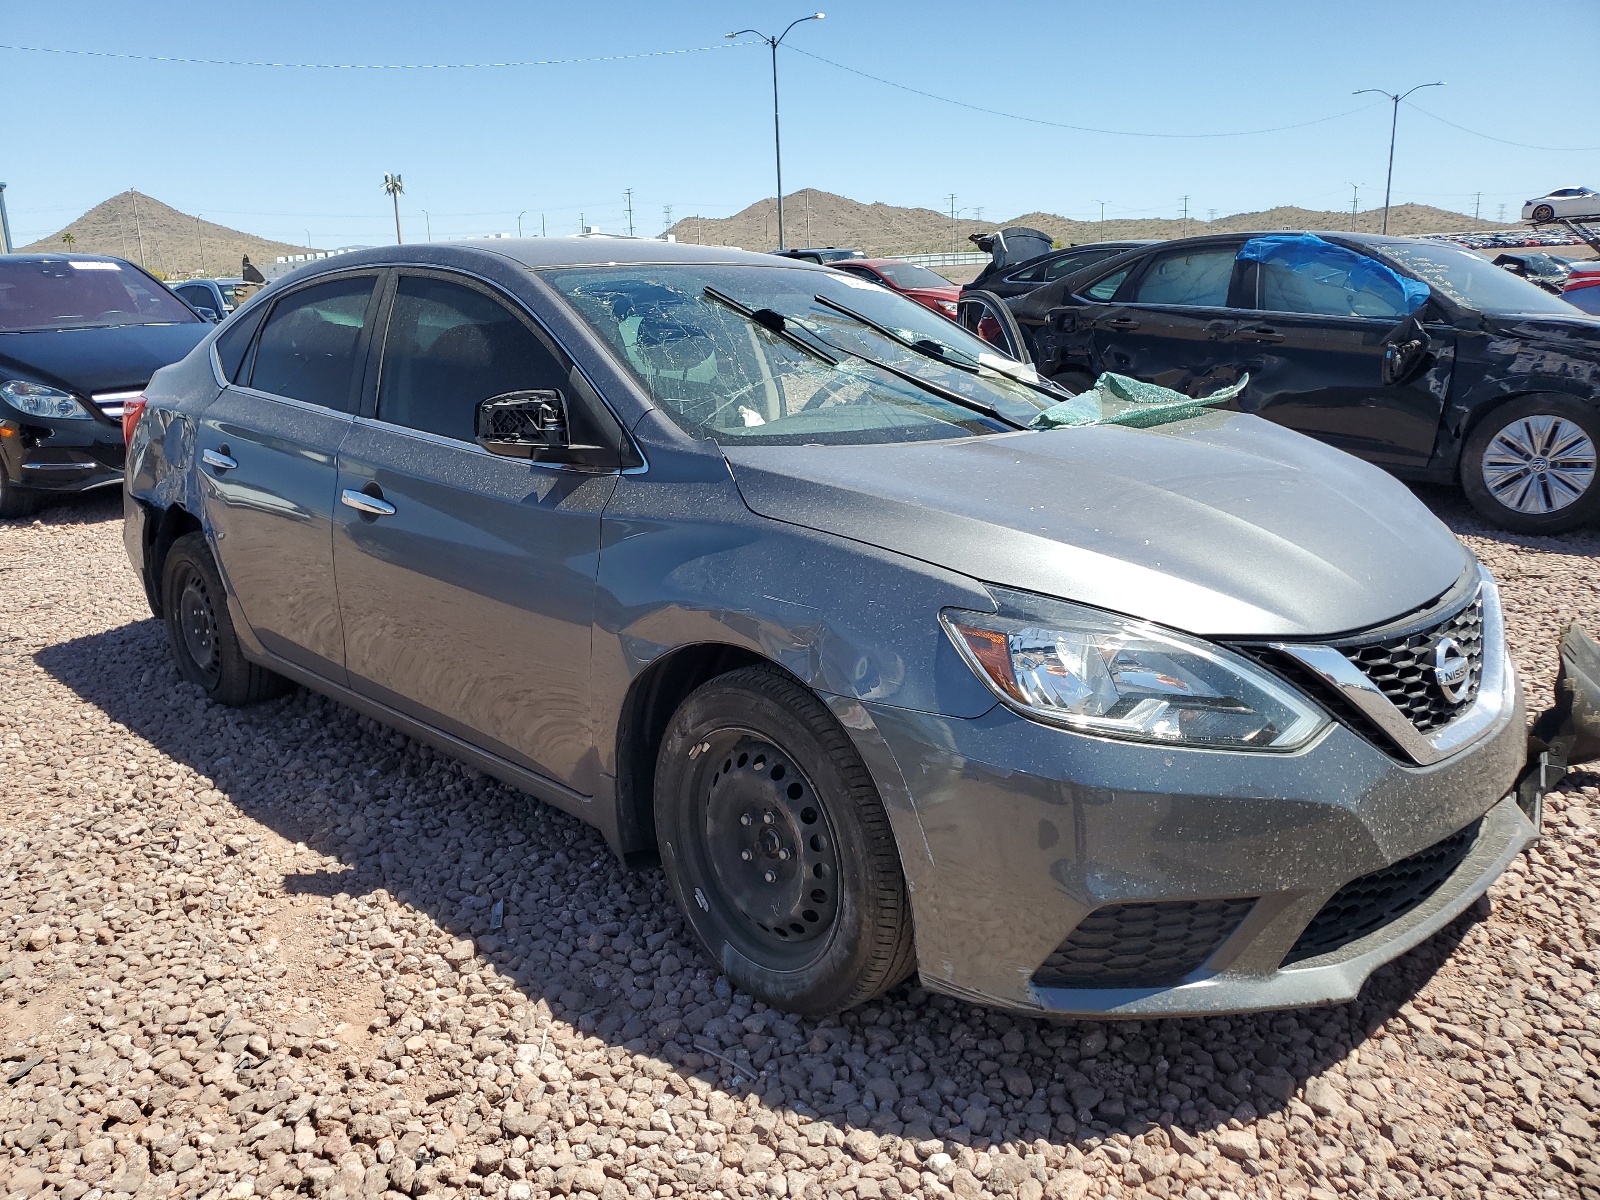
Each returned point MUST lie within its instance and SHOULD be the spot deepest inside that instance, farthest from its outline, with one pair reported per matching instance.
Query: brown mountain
(813, 218)
(135, 227)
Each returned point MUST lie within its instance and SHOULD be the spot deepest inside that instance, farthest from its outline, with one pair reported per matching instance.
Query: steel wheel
(197, 622)
(1539, 464)
(769, 844)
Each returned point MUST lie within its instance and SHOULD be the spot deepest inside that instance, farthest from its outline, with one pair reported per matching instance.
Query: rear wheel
(1530, 466)
(1544, 213)
(16, 501)
(201, 631)
(778, 847)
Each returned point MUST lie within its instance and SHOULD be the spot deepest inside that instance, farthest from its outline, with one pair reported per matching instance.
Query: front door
(1314, 347)
(467, 580)
(1170, 322)
(267, 451)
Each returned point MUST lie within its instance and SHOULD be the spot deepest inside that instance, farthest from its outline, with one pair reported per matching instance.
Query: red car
(1582, 289)
(926, 287)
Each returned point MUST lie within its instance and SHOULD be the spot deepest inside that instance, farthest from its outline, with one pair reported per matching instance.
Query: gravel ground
(285, 950)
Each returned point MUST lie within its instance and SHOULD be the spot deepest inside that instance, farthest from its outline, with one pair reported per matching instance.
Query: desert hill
(133, 226)
(815, 218)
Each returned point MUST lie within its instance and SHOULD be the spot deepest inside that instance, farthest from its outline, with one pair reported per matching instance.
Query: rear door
(1314, 347)
(466, 580)
(267, 464)
(1170, 320)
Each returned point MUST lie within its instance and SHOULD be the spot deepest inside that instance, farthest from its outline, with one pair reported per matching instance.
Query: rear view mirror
(535, 425)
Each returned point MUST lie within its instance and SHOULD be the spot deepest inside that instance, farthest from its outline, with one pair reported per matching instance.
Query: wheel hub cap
(770, 843)
(1539, 464)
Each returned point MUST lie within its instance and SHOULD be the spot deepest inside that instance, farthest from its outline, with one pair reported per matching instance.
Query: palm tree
(391, 184)
(68, 238)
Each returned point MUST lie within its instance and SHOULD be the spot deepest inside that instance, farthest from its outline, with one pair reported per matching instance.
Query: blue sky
(284, 152)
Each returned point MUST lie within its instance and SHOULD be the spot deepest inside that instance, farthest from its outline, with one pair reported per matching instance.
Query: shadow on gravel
(83, 508)
(605, 948)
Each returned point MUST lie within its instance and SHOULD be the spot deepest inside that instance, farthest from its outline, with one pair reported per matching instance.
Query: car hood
(86, 361)
(1223, 525)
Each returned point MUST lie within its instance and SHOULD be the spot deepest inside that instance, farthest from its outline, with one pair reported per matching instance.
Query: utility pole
(5, 223)
(951, 198)
(666, 214)
(427, 220)
(1355, 199)
(1186, 214)
(808, 220)
(777, 139)
(1211, 215)
(628, 192)
(1477, 204)
(1102, 205)
(1394, 123)
(541, 225)
(137, 228)
(1502, 216)
(392, 185)
(200, 242)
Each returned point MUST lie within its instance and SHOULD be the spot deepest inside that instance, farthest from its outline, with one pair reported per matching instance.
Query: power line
(994, 112)
(1503, 141)
(302, 66)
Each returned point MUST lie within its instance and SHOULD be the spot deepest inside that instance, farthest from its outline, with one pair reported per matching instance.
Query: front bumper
(1012, 833)
(60, 456)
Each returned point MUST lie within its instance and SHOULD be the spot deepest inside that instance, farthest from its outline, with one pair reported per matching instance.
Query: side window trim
(601, 414)
(247, 368)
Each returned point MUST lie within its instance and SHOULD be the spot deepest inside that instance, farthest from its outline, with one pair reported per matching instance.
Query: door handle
(1259, 335)
(375, 506)
(1121, 323)
(218, 460)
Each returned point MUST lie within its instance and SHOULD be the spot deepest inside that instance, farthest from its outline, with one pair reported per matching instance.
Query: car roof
(879, 262)
(538, 252)
(52, 256)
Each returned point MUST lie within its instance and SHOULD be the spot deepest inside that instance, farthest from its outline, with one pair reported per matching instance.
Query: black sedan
(1018, 279)
(1420, 357)
(80, 336)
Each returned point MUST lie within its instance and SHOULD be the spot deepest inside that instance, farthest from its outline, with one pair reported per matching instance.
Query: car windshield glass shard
(1118, 400)
(79, 294)
(1302, 273)
(724, 364)
(1472, 280)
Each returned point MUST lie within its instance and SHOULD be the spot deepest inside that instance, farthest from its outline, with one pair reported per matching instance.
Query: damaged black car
(1420, 357)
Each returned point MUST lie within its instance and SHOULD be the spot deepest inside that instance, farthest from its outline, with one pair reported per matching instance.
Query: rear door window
(234, 341)
(1197, 277)
(1106, 288)
(313, 343)
(450, 346)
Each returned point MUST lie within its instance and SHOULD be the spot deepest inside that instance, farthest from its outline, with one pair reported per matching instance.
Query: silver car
(791, 582)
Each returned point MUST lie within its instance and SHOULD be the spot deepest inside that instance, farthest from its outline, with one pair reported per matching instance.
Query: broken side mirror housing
(537, 425)
(1405, 351)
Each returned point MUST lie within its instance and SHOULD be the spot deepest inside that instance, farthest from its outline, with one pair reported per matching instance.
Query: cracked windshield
(757, 355)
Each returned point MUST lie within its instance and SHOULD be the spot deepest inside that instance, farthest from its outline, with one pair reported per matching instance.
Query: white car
(1577, 203)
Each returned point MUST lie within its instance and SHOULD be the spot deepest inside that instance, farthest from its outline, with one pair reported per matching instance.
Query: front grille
(1369, 903)
(1141, 945)
(1403, 667)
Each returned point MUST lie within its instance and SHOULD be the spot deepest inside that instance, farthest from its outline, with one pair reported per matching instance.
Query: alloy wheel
(1539, 464)
(770, 846)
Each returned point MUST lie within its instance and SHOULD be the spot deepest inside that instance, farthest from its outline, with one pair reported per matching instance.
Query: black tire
(988, 316)
(203, 640)
(778, 848)
(1551, 495)
(16, 501)
(1544, 213)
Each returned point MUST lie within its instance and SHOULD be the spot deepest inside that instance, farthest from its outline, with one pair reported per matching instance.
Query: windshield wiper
(778, 325)
(774, 323)
(936, 351)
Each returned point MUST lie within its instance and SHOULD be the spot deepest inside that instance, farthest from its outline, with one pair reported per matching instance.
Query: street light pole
(1394, 122)
(777, 140)
(5, 223)
(520, 215)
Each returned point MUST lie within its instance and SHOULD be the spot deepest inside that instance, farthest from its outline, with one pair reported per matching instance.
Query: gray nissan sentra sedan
(764, 570)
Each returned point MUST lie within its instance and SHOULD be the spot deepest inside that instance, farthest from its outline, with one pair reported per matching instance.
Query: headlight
(947, 306)
(37, 400)
(1102, 674)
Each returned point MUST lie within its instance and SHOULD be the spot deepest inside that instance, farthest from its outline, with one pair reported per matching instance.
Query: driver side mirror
(535, 425)
(1405, 351)
(210, 314)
